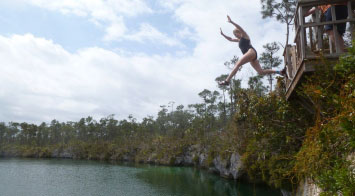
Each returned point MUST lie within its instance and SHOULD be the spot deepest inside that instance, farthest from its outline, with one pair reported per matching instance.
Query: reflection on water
(49, 177)
(190, 181)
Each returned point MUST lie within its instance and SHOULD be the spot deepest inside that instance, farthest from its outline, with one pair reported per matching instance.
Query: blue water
(50, 177)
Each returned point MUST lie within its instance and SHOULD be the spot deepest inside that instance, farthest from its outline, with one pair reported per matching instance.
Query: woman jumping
(249, 53)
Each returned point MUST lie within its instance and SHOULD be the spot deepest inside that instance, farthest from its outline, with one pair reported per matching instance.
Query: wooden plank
(350, 17)
(314, 34)
(319, 31)
(318, 2)
(286, 55)
(327, 56)
(290, 65)
(294, 82)
(288, 61)
(335, 30)
(350, 13)
(298, 50)
(314, 19)
(297, 34)
(313, 24)
(331, 50)
(311, 38)
(294, 61)
(302, 35)
(304, 43)
(287, 82)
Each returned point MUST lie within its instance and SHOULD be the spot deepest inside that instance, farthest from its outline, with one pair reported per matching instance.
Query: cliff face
(228, 166)
(308, 188)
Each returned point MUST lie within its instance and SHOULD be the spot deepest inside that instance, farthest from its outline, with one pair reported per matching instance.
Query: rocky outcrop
(308, 188)
(63, 154)
(228, 168)
(236, 167)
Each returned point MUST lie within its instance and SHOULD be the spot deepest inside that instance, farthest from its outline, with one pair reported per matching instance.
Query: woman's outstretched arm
(244, 34)
(310, 11)
(228, 38)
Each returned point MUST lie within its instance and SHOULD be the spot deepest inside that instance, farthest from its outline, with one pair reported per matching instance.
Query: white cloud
(186, 33)
(204, 18)
(41, 81)
(148, 32)
(115, 31)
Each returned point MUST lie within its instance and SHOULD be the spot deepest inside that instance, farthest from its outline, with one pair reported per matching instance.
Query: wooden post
(288, 61)
(350, 16)
(314, 33)
(311, 37)
(330, 46)
(302, 34)
(335, 31)
(319, 30)
(294, 61)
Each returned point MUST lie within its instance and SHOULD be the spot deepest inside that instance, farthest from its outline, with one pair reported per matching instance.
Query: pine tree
(269, 60)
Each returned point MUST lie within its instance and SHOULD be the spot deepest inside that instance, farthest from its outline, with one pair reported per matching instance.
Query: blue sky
(75, 32)
(67, 59)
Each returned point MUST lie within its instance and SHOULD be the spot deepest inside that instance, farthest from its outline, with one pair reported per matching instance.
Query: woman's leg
(247, 57)
(257, 67)
(341, 12)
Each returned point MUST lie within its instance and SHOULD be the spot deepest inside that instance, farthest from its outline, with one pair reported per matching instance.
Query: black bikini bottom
(256, 53)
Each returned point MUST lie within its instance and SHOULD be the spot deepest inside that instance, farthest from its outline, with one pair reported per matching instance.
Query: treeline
(210, 115)
(202, 130)
(215, 111)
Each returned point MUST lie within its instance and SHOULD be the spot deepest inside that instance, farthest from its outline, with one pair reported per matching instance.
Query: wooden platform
(310, 41)
(305, 68)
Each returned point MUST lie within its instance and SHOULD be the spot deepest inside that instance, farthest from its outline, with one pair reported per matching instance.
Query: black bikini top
(244, 45)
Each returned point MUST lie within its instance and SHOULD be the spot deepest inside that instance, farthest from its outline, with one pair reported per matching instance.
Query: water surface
(51, 177)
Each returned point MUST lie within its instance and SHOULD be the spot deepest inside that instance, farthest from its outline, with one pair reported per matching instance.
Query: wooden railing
(310, 40)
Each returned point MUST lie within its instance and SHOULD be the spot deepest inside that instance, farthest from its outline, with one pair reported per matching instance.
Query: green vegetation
(280, 142)
(328, 151)
(283, 144)
(269, 61)
(274, 131)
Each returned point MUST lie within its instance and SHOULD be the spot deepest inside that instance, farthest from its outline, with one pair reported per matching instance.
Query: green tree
(282, 10)
(162, 120)
(149, 125)
(235, 94)
(269, 60)
(2, 132)
(13, 132)
(256, 85)
(112, 127)
(224, 89)
(230, 65)
(81, 129)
